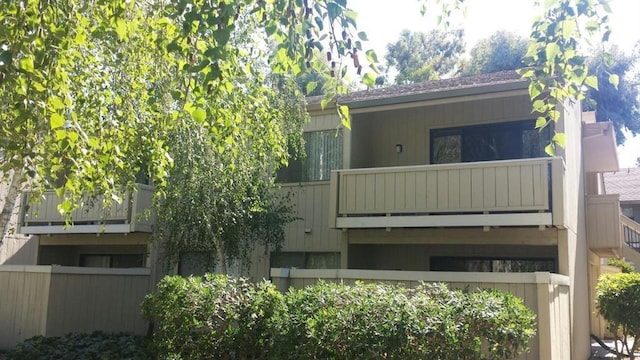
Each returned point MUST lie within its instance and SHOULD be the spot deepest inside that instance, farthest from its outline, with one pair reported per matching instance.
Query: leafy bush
(95, 346)
(618, 298)
(623, 265)
(212, 317)
(217, 317)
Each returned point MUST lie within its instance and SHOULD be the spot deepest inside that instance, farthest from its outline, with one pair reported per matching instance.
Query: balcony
(132, 215)
(524, 192)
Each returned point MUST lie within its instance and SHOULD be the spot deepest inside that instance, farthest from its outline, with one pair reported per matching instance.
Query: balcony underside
(442, 220)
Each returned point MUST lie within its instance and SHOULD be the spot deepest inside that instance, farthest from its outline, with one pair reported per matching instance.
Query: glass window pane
(446, 148)
(323, 260)
(323, 151)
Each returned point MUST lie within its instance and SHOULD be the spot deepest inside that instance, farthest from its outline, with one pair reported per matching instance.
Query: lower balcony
(523, 192)
(133, 214)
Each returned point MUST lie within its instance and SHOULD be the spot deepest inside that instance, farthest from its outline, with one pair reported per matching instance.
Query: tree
(621, 103)
(83, 110)
(500, 51)
(419, 56)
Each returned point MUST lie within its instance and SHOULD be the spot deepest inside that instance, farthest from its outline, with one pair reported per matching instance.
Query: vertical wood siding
(56, 300)
(311, 207)
(511, 185)
(603, 224)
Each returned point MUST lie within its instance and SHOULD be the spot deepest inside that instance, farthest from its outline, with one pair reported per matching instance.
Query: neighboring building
(626, 183)
(444, 176)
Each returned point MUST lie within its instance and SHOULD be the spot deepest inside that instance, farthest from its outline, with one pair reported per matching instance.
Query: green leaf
(541, 122)
(56, 121)
(198, 115)
(121, 29)
(371, 56)
(614, 79)
(363, 36)
(552, 50)
(560, 139)
(334, 10)
(55, 103)
(311, 85)
(550, 150)
(343, 110)
(369, 79)
(26, 64)
(592, 82)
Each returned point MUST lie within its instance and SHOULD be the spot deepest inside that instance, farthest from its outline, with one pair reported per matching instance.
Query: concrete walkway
(598, 352)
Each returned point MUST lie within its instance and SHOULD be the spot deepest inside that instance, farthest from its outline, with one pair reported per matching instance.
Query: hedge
(94, 346)
(618, 299)
(218, 317)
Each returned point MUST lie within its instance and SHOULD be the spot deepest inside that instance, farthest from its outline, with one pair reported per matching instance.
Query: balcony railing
(630, 232)
(604, 224)
(526, 192)
(131, 215)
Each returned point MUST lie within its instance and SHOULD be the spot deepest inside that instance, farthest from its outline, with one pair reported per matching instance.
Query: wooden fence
(55, 300)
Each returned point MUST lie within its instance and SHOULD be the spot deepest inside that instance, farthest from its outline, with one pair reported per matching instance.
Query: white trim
(77, 229)
(427, 276)
(471, 220)
(56, 269)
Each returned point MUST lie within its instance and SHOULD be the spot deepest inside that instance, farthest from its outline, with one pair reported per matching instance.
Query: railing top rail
(466, 165)
(630, 223)
(427, 276)
(55, 269)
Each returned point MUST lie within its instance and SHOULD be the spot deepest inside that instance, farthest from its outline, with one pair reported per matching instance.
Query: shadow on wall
(19, 250)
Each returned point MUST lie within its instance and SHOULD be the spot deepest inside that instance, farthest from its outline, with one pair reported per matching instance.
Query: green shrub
(338, 321)
(217, 317)
(618, 298)
(212, 317)
(623, 265)
(95, 346)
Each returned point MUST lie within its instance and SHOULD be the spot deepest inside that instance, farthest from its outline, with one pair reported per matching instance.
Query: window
(323, 151)
(502, 141)
(113, 261)
(305, 260)
(468, 264)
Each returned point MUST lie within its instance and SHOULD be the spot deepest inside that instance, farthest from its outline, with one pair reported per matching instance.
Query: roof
(416, 91)
(625, 182)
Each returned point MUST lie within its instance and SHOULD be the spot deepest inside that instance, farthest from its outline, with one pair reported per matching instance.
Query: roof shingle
(625, 182)
(502, 77)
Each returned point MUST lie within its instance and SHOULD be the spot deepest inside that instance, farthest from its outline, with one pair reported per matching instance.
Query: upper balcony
(608, 230)
(523, 192)
(132, 215)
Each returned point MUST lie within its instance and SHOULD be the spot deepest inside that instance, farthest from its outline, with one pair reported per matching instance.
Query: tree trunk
(222, 261)
(10, 199)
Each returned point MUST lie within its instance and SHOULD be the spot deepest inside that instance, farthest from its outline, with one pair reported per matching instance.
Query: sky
(383, 20)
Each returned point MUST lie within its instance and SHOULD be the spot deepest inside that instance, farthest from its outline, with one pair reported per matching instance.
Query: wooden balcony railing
(493, 193)
(630, 232)
(131, 215)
